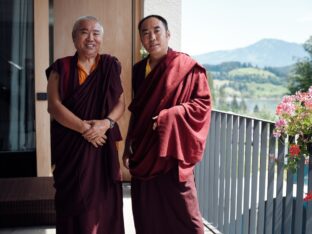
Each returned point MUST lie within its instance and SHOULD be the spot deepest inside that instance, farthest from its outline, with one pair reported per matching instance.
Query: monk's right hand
(125, 160)
(85, 127)
(100, 141)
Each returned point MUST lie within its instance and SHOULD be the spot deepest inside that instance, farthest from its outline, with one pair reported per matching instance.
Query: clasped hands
(95, 131)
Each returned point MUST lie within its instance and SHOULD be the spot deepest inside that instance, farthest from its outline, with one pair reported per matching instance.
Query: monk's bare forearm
(66, 118)
(58, 111)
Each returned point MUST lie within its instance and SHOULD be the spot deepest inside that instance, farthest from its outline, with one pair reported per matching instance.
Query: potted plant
(295, 121)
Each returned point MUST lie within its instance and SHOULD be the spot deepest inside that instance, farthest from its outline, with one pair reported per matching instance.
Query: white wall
(171, 10)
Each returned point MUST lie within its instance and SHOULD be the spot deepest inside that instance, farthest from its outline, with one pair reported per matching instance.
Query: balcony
(242, 185)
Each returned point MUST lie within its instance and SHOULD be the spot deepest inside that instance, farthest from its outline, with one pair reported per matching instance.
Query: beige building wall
(41, 42)
(171, 10)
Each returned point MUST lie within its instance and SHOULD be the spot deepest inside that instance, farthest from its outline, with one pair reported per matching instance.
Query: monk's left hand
(97, 132)
(155, 122)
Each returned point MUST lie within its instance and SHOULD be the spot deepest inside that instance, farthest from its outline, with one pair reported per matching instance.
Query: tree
(301, 77)
(243, 106)
(211, 86)
(256, 109)
(221, 100)
(234, 104)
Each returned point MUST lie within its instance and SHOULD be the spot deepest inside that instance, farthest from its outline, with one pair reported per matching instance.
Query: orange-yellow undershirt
(147, 68)
(82, 74)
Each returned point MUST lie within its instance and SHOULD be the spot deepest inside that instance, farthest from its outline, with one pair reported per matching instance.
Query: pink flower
(285, 108)
(310, 91)
(302, 97)
(288, 99)
(308, 104)
(276, 133)
(280, 123)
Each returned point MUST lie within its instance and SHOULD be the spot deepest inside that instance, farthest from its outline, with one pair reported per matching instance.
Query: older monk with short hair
(85, 99)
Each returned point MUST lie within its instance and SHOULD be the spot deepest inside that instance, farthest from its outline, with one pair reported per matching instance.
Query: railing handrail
(242, 115)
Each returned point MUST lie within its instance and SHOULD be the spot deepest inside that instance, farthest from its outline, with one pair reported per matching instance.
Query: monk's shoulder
(139, 65)
(64, 60)
(186, 57)
(112, 60)
(59, 65)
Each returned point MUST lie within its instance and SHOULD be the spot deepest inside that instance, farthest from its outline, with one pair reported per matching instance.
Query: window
(17, 103)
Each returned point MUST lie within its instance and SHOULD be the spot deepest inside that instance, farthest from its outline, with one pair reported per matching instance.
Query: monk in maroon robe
(85, 98)
(170, 117)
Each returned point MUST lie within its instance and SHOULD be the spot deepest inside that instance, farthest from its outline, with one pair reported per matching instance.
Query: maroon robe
(87, 179)
(162, 161)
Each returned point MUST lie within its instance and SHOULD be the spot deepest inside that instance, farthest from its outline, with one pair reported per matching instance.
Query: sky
(212, 25)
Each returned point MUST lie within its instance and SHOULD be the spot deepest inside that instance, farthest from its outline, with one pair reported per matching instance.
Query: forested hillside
(241, 87)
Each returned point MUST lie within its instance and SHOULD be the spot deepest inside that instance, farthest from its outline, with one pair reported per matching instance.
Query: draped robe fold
(162, 160)
(87, 179)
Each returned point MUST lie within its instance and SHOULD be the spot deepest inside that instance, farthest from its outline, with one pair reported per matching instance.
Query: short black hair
(162, 19)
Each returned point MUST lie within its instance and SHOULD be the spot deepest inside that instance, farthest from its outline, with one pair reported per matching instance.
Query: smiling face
(88, 37)
(154, 37)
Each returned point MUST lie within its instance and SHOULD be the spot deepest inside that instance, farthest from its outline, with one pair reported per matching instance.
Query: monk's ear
(168, 34)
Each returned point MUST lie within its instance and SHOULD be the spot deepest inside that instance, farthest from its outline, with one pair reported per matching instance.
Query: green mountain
(266, 52)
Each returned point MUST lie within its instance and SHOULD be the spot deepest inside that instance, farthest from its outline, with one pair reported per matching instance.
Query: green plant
(295, 120)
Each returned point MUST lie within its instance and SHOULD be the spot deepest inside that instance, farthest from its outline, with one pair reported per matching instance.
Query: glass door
(17, 115)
